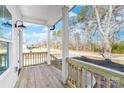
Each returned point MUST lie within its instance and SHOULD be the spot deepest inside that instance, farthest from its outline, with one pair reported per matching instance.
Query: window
(4, 56)
(5, 37)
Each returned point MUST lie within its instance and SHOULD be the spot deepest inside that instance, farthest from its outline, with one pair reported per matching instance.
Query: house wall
(9, 77)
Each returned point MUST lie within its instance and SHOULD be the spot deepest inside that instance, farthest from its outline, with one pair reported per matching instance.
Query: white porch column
(20, 48)
(14, 47)
(48, 46)
(65, 44)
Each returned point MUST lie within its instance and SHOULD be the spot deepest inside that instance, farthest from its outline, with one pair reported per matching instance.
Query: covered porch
(36, 69)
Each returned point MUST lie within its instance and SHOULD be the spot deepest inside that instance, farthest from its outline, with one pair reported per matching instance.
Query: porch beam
(36, 21)
(48, 46)
(65, 43)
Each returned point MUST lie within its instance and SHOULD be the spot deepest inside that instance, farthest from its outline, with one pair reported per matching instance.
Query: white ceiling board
(44, 14)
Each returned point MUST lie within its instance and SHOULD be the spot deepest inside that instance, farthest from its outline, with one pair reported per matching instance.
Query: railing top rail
(34, 52)
(108, 73)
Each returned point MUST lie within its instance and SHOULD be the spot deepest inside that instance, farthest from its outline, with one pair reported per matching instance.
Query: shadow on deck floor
(41, 76)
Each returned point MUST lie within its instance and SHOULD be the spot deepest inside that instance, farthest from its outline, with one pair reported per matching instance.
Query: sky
(34, 33)
(73, 12)
(5, 32)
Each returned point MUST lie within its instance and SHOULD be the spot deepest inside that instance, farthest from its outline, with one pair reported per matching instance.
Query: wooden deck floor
(42, 76)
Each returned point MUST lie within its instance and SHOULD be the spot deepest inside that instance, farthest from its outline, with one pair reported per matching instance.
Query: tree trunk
(107, 51)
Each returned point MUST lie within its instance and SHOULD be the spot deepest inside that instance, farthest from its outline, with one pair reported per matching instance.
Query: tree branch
(98, 21)
(109, 19)
(116, 28)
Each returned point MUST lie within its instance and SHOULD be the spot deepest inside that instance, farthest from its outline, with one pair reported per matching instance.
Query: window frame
(8, 48)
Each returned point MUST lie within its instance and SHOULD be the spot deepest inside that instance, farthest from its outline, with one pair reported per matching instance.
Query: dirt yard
(117, 58)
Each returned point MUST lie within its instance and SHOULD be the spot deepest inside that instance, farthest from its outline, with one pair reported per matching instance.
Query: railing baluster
(98, 81)
(33, 59)
(108, 83)
(76, 76)
(46, 57)
(43, 57)
(23, 60)
(40, 58)
(28, 59)
(81, 79)
(71, 72)
(37, 58)
(92, 74)
(85, 84)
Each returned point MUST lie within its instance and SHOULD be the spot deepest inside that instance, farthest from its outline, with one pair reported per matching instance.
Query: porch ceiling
(42, 14)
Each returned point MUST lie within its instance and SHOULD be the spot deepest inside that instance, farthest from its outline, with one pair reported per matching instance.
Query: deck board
(41, 76)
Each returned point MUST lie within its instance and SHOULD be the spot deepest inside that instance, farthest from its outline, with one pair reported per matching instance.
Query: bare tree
(107, 20)
(108, 25)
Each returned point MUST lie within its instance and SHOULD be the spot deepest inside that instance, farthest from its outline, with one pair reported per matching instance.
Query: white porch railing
(34, 58)
(83, 74)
